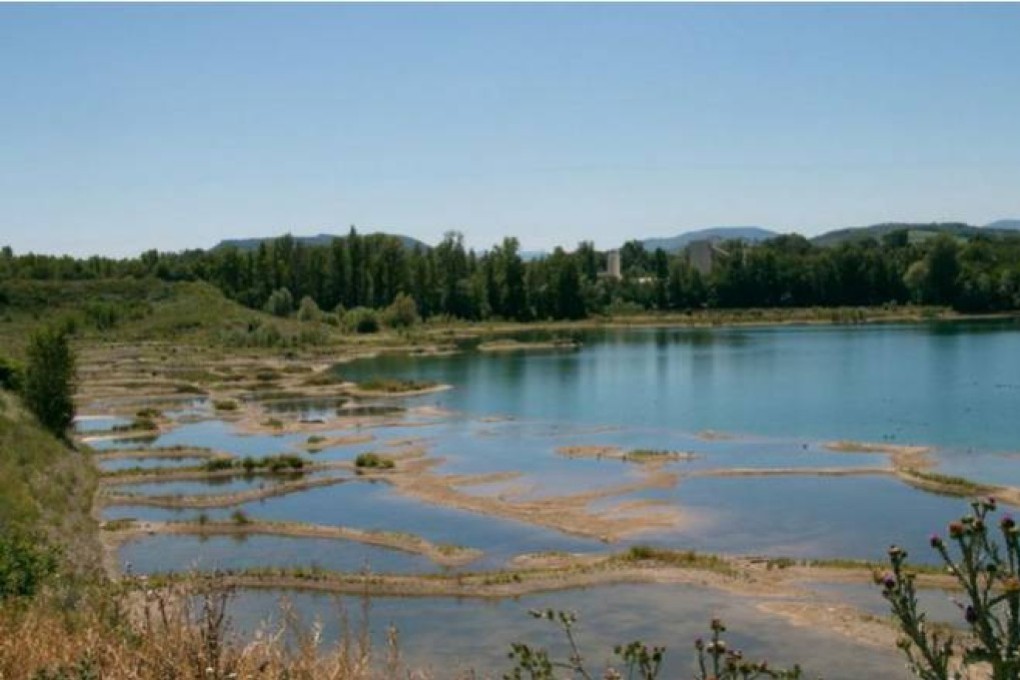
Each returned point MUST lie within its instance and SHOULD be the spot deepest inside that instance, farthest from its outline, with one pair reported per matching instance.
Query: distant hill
(674, 243)
(916, 231)
(1010, 225)
(317, 240)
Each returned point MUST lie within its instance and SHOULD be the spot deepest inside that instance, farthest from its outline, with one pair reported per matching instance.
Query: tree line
(981, 274)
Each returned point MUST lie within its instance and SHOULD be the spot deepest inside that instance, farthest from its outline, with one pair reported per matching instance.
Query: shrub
(361, 320)
(217, 464)
(373, 461)
(102, 315)
(10, 375)
(280, 302)
(308, 310)
(25, 563)
(240, 517)
(225, 405)
(402, 313)
(49, 380)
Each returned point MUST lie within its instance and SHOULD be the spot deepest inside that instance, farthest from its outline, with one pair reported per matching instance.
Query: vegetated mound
(126, 309)
(46, 487)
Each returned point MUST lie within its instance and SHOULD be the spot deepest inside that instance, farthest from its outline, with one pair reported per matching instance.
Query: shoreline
(445, 555)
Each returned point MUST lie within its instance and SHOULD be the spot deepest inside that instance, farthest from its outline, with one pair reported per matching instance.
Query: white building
(613, 264)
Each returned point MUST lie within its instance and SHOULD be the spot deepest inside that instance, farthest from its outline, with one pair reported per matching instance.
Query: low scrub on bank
(395, 385)
(282, 463)
(373, 461)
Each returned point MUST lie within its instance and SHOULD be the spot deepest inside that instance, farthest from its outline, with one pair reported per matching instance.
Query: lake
(729, 398)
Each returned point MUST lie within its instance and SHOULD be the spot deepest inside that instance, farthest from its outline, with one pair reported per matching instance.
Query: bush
(104, 316)
(373, 461)
(361, 320)
(49, 380)
(280, 302)
(403, 313)
(10, 375)
(308, 310)
(25, 563)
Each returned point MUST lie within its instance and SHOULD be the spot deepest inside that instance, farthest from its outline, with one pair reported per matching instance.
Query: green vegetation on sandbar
(373, 461)
(950, 484)
(281, 463)
(395, 385)
(225, 405)
(686, 559)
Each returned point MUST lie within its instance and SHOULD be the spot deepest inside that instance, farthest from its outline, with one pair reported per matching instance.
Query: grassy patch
(373, 461)
(959, 486)
(651, 455)
(225, 405)
(395, 385)
(282, 463)
(684, 559)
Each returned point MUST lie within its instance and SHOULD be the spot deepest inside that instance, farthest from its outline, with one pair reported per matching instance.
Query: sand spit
(218, 500)
(445, 555)
(188, 474)
(569, 514)
(643, 456)
(163, 454)
(519, 346)
(318, 444)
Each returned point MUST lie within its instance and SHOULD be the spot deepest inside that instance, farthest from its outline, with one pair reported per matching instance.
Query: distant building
(704, 254)
(613, 265)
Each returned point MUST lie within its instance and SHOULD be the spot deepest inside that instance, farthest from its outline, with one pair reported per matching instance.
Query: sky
(129, 127)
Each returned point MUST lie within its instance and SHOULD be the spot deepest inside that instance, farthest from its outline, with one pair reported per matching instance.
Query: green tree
(49, 380)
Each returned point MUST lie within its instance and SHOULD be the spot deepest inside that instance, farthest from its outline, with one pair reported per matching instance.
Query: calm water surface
(947, 384)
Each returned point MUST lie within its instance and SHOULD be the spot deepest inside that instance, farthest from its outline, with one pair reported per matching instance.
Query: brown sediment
(569, 513)
(445, 555)
(839, 618)
(218, 500)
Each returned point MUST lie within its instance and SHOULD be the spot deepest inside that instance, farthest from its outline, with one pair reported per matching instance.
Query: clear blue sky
(129, 127)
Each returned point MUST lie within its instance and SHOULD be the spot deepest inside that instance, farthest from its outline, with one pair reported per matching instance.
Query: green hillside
(127, 309)
(46, 487)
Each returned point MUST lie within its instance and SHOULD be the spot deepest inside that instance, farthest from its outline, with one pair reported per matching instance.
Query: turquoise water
(781, 392)
(948, 384)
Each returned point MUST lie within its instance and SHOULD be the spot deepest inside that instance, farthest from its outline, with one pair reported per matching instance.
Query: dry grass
(176, 633)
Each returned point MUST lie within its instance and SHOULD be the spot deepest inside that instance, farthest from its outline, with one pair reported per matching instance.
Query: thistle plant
(716, 661)
(988, 573)
(637, 661)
